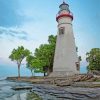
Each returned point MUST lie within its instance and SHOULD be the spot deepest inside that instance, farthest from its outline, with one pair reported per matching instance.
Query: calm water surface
(7, 93)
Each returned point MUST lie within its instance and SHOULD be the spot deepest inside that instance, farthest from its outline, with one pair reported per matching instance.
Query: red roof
(64, 15)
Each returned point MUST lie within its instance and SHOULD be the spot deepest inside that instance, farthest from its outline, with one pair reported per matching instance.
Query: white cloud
(12, 32)
(9, 42)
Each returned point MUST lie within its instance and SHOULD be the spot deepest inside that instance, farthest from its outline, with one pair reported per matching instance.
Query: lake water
(11, 70)
(7, 93)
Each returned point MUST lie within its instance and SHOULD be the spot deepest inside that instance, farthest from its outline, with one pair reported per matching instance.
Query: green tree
(18, 55)
(52, 44)
(93, 58)
(43, 57)
(29, 64)
(45, 54)
(35, 64)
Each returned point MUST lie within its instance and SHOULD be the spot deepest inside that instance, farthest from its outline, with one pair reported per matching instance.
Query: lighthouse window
(61, 30)
(77, 66)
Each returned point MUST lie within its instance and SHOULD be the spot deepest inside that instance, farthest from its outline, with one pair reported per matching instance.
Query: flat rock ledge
(67, 93)
(22, 88)
(87, 84)
(82, 80)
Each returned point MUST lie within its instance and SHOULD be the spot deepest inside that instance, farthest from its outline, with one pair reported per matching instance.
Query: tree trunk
(44, 70)
(32, 72)
(44, 74)
(51, 68)
(19, 71)
(48, 71)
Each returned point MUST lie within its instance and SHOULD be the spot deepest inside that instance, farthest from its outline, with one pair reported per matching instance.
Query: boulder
(95, 72)
(64, 82)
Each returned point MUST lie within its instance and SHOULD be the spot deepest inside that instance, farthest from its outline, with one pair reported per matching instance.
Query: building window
(77, 66)
(61, 30)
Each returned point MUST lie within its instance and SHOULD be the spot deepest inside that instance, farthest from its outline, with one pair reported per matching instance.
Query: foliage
(43, 56)
(93, 58)
(80, 58)
(29, 64)
(18, 55)
(32, 96)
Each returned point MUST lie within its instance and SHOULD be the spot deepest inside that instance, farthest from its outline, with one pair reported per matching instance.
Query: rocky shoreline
(67, 93)
(82, 80)
(61, 88)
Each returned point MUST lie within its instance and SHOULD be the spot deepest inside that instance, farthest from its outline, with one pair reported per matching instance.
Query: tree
(35, 64)
(45, 54)
(18, 55)
(52, 44)
(29, 64)
(93, 58)
(43, 57)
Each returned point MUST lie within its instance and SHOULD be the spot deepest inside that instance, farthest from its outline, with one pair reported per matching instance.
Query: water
(7, 93)
(12, 70)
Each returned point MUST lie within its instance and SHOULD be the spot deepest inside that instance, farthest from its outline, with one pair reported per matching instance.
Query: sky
(30, 22)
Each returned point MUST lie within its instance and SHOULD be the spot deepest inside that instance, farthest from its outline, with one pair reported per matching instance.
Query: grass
(33, 96)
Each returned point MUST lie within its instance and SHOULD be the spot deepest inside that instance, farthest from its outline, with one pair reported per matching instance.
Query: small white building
(66, 59)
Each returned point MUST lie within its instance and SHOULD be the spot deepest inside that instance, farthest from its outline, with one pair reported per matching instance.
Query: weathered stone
(22, 88)
(67, 93)
(95, 72)
(83, 77)
(87, 77)
(64, 82)
(92, 79)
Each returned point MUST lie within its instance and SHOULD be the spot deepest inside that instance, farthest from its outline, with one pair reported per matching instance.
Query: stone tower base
(62, 74)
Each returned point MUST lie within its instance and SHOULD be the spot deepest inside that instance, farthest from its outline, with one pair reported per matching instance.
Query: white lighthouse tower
(65, 59)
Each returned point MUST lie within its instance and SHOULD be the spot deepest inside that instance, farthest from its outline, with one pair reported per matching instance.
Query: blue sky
(30, 22)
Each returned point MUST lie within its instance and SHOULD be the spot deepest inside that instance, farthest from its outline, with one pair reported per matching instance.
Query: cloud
(0, 58)
(13, 33)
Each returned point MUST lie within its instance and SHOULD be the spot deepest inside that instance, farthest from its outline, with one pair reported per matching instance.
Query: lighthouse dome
(64, 12)
(64, 6)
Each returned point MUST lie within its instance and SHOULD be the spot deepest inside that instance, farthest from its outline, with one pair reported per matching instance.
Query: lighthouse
(65, 59)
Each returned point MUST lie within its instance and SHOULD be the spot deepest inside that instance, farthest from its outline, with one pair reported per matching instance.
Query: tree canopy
(93, 58)
(43, 56)
(18, 55)
(29, 64)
